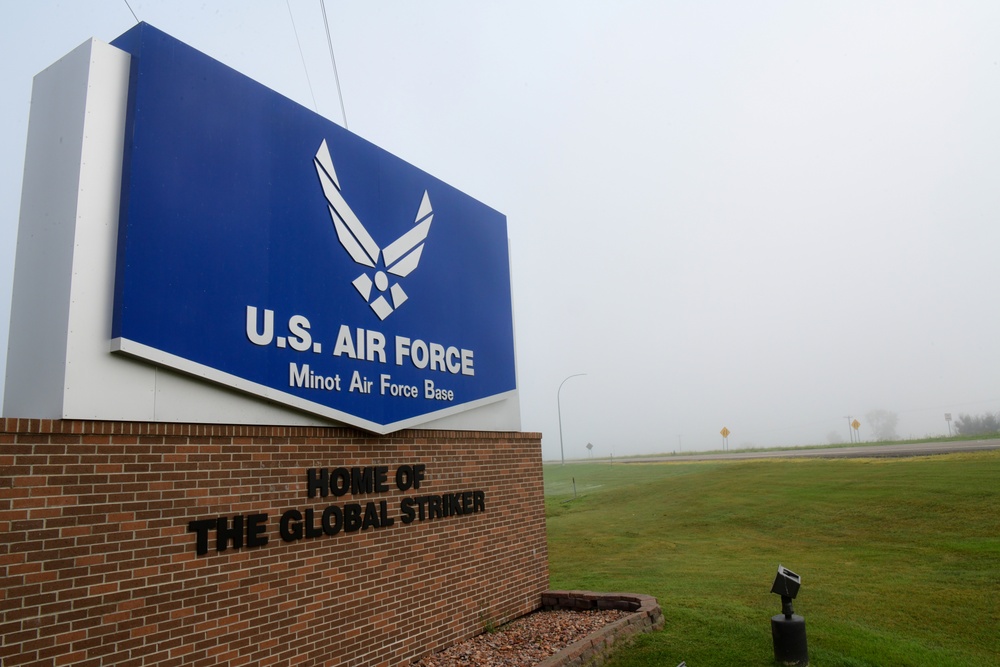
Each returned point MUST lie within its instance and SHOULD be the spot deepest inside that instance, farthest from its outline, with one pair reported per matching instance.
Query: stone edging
(594, 649)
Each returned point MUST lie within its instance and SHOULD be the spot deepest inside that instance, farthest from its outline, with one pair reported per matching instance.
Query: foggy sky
(767, 216)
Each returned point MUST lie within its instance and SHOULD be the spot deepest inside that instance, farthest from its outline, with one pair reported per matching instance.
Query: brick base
(98, 564)
(594, 649)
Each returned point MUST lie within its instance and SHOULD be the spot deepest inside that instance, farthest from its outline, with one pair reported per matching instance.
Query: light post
(562, 455)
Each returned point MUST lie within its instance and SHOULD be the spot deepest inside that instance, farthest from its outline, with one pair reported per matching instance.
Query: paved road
(868, 451)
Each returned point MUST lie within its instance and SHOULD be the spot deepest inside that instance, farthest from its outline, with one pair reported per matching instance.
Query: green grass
(899, 558)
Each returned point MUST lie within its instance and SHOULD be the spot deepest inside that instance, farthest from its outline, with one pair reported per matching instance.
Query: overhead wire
(302, 56)
(133, 13)
(336, 75)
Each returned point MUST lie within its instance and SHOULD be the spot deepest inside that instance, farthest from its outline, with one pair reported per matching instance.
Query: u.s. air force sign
(265, 248)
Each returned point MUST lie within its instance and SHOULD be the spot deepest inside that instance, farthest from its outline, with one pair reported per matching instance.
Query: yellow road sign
(724, 432)
(856, 424)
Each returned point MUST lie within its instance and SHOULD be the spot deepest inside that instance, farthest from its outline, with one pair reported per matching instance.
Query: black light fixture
(788, 629)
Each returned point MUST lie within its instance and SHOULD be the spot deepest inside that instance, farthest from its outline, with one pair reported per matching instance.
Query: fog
(765, 216)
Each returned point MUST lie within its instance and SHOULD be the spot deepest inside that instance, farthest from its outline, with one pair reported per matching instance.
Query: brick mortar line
(19, 426)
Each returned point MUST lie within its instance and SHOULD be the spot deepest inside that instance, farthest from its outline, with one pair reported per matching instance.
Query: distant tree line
(978, 424)
(883, 424)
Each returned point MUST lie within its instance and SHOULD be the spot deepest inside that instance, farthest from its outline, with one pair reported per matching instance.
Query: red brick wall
(98, 566)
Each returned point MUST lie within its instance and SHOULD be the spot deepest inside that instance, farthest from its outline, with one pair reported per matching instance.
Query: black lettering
(404, 477)
(478, 501)
(433, 507)
(340, 481)
(384, 514)
(406, 507)
(421, 503)
(352, 517)
(467, 502)
(381, 472)
(320, 482)
(201, 528)
(371, 517)
(289, 526)
(223, 533)
(332, 528)
(311, 529)
(452, 504)
(418, 474)
(362, 480)
(256, 527)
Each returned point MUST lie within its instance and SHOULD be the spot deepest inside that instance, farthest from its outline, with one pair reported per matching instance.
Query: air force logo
(399, 258)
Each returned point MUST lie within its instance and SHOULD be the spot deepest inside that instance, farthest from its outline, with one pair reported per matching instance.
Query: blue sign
(266, 248)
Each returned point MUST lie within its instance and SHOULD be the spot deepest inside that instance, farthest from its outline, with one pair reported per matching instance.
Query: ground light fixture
(788, 629)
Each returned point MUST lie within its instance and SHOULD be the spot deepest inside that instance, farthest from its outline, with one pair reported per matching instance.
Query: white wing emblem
(399, 258)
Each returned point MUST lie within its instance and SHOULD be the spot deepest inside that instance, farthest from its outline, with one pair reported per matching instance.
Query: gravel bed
(525, 641)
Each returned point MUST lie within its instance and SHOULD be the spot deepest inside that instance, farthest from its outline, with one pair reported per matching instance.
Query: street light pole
(562, 455)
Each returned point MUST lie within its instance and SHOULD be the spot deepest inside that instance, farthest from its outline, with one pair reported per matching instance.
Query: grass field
(899, 558)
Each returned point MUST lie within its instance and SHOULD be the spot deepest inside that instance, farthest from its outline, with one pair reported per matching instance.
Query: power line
(302, 56)
(133, 13)
(336, 76)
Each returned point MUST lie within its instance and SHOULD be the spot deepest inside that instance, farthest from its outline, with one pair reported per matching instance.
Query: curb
(594, 649)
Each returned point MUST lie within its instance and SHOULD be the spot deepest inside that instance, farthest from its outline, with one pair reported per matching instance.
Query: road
(866, 451)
